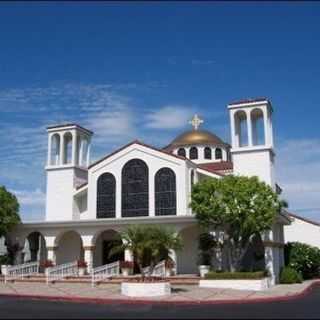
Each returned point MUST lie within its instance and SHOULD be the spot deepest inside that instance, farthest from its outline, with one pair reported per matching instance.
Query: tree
(9, 211)
(239, 207)
(148, 242)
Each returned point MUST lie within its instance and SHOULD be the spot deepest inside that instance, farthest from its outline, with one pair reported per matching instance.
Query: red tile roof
(216, 166)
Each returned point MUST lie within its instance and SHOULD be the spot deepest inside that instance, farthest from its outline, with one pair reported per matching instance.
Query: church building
(88, 204)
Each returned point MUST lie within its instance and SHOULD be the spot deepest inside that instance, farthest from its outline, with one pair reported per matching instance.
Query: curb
(102, 301)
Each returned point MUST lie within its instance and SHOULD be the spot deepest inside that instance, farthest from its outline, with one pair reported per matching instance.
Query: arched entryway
(35, 247)
(187, 258)
(103, 243)
(69, 247)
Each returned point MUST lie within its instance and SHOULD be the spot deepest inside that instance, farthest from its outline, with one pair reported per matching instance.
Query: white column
(128, 256)
(51, 253)
(119, 195)
(151, 194)
(80, 152)
(49, 149)
(74, 148)
(233, 132)
(249, 128)
(266, 127)
(173, 256)
(88, 257)
(88, 152)
(62, 142)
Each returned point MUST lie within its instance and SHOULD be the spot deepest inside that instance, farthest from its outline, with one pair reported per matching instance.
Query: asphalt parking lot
(303, 307)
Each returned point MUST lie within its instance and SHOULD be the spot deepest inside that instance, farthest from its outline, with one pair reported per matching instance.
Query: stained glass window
(193, 153)
(207, 153)
(182, 152)
(218, 153)
(135, 189)
(106, 196)
(165, 192)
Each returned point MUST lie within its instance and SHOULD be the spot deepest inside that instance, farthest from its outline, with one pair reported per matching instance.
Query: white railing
(61, 271)
(22, 270)
(106, 271)
(159, 270)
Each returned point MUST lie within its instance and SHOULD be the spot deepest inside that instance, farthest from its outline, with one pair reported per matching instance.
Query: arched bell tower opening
(55, 150)
(241, 128)
(258, 132)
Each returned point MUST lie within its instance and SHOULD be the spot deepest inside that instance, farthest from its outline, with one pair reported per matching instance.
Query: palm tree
(148, 241)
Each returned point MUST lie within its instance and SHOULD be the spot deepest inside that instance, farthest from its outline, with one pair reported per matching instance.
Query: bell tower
(67, 163)
(252, 139)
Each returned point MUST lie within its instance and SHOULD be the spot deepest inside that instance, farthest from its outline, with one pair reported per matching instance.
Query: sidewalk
(108, 293)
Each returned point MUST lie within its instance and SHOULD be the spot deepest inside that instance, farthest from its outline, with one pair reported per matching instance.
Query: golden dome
(196, 137)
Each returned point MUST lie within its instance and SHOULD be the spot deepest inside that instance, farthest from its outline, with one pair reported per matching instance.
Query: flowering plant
(82, 264)
(47, 264)
(126, 264)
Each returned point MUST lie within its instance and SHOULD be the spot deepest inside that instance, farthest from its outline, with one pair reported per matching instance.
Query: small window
(182, 152)
(207, 153)
(218, 153)
(193, 153)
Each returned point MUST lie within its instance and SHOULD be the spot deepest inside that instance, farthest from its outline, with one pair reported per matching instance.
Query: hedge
(289, 275)
(236, 275)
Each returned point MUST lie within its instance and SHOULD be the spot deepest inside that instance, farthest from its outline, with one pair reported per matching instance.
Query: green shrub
(303, 258)
(4, 260)
(235, 275)
(289, 275)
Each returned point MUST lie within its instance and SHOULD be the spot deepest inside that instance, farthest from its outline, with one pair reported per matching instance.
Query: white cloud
(169, 117)
(33, 197)
(298, 173)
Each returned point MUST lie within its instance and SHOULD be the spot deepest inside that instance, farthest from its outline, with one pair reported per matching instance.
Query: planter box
(203, 270)
(247, 284)
(4, 269)
(145, 289)
(82, 272)
(126, 272)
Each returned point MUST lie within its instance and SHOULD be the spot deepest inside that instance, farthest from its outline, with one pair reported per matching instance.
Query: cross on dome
(195, 122)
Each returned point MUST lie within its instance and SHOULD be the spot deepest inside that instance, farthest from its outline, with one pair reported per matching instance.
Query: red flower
(82, 264)
(126, 264)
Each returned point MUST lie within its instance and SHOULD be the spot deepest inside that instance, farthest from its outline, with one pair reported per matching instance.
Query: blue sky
(140, 70)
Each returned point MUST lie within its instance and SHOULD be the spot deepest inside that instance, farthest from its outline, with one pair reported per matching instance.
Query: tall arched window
(135, 189)
(106, 196)
(207, 153)
(193, 153)
(182, 152)
(241, 129)
(165, 192)
(55, 149)
(218, 153)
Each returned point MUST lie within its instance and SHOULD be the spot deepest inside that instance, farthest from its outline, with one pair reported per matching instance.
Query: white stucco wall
(155, 160)
(302, 231)
(254, 162)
